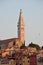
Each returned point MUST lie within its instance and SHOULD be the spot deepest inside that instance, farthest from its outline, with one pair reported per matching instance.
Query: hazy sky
(33, 19)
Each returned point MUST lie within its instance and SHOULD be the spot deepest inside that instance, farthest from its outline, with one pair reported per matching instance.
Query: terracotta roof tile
(8, 40)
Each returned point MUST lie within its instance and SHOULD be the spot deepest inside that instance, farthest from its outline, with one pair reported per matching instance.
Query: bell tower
(21, 27)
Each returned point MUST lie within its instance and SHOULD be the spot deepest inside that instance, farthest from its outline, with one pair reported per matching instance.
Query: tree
(34, 45)
(23, 46)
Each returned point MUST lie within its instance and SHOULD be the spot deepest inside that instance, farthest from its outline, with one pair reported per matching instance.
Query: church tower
(21, 27)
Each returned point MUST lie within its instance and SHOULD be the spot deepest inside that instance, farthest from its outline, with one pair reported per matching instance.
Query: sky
(33, 19)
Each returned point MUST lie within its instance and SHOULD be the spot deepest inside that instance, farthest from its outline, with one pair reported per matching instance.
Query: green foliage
(23, 46)
(34, 46)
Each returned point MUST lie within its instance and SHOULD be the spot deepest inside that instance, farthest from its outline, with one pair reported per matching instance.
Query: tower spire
(20, 10)
(21, 27)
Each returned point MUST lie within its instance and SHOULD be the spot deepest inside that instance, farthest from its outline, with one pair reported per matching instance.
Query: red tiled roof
(7, 40)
